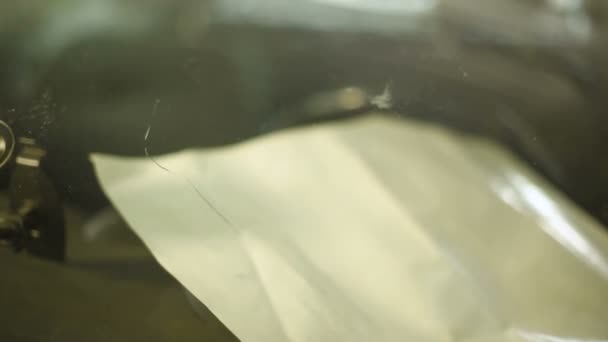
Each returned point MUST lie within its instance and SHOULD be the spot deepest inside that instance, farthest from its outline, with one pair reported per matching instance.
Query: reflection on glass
(403, 6)
(526, 197)
(536, 337)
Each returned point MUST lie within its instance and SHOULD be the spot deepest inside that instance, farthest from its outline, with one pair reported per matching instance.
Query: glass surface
(146, 79)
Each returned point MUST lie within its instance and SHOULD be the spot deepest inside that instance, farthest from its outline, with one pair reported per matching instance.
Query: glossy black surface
(109, 289)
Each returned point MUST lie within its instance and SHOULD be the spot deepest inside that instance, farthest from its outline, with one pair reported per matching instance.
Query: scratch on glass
(198, 192)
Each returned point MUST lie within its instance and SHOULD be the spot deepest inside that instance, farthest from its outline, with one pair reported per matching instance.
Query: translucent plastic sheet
(375, 229)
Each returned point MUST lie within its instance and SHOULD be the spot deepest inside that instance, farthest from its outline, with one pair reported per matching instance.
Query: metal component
(7, 143)
(12, 232)
(7, 231)
(31, 155)
(35, 222)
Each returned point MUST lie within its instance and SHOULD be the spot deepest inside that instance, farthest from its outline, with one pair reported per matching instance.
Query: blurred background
(83, 76)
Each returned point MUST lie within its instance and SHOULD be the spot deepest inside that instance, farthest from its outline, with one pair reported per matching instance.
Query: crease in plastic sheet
(375, 229)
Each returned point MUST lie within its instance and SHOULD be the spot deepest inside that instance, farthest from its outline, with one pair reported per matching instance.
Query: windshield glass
(245, 169)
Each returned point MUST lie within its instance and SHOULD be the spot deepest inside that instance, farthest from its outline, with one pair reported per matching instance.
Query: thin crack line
(194, 188)
(155, 161)
(209, 203)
